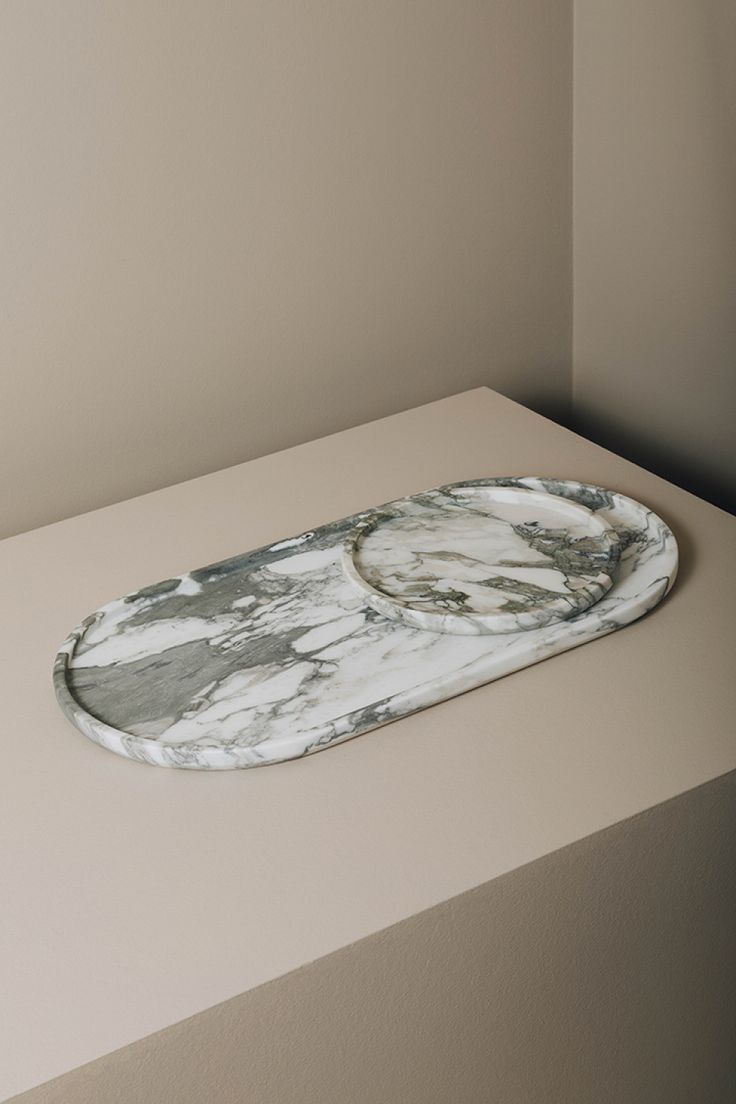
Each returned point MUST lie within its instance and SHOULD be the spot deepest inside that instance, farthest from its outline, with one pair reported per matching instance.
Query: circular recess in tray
(482, 559)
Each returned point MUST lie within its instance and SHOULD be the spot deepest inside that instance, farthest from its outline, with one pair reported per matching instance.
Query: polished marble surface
(289, 649)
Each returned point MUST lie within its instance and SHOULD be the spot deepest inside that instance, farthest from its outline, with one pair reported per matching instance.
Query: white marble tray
(289, 649)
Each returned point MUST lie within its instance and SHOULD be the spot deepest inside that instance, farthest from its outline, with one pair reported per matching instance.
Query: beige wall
(229, 227)
(655, 235)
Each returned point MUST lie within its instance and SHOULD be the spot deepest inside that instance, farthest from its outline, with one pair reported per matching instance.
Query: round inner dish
(482, 559)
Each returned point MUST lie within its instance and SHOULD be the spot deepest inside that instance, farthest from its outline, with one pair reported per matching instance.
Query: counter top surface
(134, 897)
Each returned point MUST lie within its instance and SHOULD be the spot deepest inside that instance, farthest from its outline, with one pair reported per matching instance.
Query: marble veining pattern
(277, 652)
(482, 560)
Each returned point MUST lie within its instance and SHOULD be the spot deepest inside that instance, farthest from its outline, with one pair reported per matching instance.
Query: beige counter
(135, 897)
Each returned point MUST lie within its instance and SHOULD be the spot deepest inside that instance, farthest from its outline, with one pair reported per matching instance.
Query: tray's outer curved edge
(147, 750)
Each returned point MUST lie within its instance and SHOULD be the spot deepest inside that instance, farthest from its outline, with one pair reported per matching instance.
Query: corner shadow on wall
(555, 409)
(661, 461)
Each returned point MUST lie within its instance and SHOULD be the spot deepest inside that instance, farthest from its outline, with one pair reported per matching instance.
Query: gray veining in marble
(482, 559)
(283, 651)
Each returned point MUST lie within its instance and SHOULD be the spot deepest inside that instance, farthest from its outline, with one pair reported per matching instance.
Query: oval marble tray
(288, 649)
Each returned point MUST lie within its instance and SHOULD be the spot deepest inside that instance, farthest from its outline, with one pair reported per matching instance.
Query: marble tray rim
(400, 609)
(144, 748)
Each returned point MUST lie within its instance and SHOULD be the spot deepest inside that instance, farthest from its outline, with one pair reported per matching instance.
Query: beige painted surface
(134, 897)
(230, 227)
(600, 974)
(655, 234)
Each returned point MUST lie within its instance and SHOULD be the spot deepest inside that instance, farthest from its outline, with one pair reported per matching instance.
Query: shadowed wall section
(655, 236)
